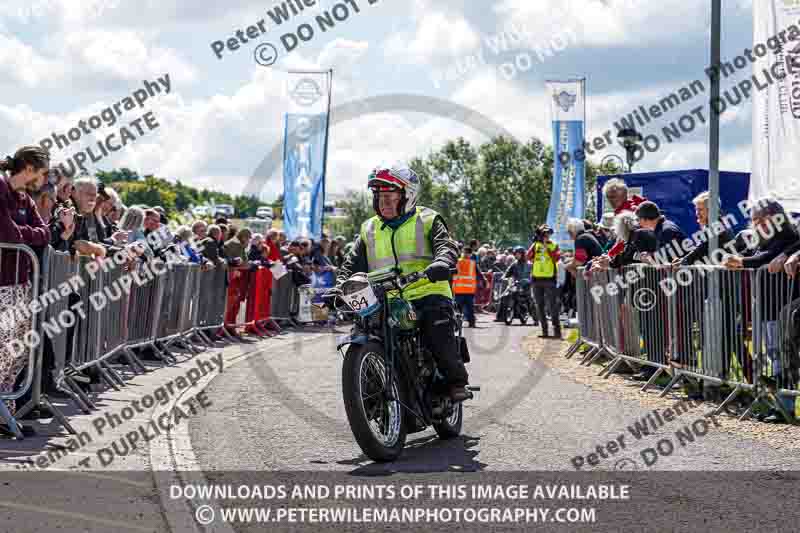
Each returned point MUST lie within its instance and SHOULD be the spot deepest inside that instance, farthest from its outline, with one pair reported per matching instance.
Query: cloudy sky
(65, 60)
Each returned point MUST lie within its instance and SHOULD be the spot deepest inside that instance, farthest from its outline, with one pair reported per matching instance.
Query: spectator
(106, 197)
(701, 252)
(232, 232)
(666, 231)
(183, 237)
(282, 239)
(294, 264)
(586, 245)
(45, 201)
(341, 241)
(236, 252)
(64, 187)
(776, 237)
(273, 246)
(544, 255)
(86, 239)
(729, 309)
(117, 212)
(322, 257)
(199, 228)
(133, 223)
(605, 232)
(336, 255)
(209, 246)
(637, 243)
(162, 215)
(616, 192)
(487, 259)
(255, 250)
(19, 224)
(236, 247)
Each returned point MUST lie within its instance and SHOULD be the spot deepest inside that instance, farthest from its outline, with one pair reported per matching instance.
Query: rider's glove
(329, 297)
(438, 271)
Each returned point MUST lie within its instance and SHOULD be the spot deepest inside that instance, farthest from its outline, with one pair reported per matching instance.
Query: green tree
(358, 208)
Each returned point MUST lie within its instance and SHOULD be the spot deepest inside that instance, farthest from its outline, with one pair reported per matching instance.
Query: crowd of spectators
(641, 233)
(40, 206)
(81, 216)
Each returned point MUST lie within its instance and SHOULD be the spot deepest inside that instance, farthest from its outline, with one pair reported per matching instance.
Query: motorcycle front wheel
(375, 420)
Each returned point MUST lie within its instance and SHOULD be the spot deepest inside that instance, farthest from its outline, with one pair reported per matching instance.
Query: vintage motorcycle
(390, 382)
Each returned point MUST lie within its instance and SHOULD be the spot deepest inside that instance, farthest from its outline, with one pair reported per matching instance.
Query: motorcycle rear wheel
(376, 422)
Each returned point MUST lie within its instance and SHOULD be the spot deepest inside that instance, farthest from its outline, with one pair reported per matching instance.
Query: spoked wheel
(451, 426)
(375, 419)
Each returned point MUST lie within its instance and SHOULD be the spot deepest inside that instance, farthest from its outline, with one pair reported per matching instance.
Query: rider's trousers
(436, 319)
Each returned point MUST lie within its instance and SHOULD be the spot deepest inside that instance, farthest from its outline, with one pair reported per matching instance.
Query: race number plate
(363, 302)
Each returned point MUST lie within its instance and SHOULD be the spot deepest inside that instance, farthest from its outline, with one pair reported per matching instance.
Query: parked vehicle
(201, 211)
(265, 211)
(224, 210)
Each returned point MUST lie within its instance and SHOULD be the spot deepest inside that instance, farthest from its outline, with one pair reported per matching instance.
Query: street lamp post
(630, 139)
(609, 157)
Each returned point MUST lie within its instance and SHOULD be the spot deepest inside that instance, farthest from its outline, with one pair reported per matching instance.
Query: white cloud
(217, 140)
(122, 55)
(89, 59)
(23, 64)
(438, 37)
(608, 23)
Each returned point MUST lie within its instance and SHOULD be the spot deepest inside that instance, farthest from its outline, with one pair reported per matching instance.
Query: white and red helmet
(398, 177)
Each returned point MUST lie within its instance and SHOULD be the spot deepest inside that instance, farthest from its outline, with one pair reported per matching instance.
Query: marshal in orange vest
(464, 281)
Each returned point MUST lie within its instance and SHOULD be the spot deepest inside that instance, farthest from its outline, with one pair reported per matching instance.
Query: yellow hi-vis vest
(464, 282)
(412, 247)
(543, 264)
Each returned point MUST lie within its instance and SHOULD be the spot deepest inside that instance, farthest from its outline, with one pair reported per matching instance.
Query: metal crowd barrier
(211, 302)
(88, 315)
(283, 290)
(735, 327)
(58, 270)
(10, 326)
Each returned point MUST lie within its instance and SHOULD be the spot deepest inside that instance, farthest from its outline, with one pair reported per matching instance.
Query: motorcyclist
(412, 238)
(519, 271)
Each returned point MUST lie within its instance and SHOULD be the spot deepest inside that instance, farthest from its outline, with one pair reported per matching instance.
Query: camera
(542, 232)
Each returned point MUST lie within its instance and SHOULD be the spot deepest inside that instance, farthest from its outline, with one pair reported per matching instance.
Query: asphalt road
(276, 416)
(283, 410)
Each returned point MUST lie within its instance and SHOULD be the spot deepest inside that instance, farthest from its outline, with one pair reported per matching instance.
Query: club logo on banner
(304, 153)
(567, 195)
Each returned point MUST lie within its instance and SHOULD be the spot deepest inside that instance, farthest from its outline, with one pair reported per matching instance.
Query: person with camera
(544, 255)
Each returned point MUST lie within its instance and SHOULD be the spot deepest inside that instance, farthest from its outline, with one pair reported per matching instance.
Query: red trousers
(238, 281)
